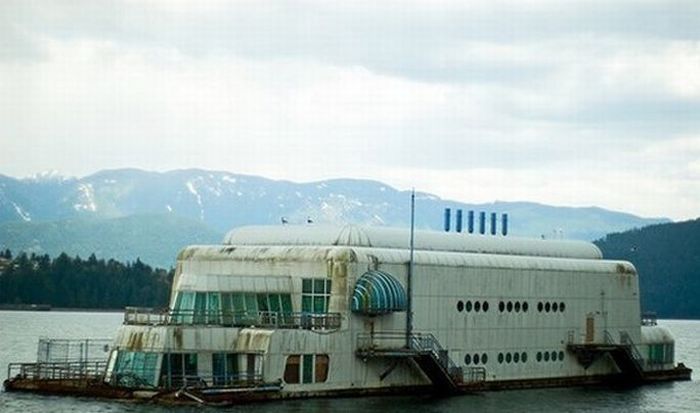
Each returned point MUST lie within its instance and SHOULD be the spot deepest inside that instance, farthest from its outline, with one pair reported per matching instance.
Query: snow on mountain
(222, 200)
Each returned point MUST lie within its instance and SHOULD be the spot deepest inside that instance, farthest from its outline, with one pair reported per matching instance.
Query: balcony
(263, 319)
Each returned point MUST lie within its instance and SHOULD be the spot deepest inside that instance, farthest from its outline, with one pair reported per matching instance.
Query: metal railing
(474, 374)
(421, 343)
(270, 319)
(53, 350)
(627, 340)
(244, 379)
(57, 371)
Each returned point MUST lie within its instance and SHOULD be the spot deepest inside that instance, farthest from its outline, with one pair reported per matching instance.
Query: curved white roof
(398, 238)
(656, 335)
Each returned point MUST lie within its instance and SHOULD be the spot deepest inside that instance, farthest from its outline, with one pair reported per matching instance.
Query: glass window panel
(232, 367)
(226, 309)
(263, 305)
(308, 368)
(178, 301)
(286, 303)
(251, 304)
(306, 286)
(306, 304)
(328, 286)
(214, 308)
(184, 312)
(238, 301)
(190, 364)
(291, 369)
(274, 300)
(319, 286)
(319, 304)
(200, 307)
(218, 362)
(321, 372)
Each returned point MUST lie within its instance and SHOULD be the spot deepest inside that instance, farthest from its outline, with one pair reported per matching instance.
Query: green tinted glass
(308, 366)
(286, 303)
(306, 286)
(319, 286)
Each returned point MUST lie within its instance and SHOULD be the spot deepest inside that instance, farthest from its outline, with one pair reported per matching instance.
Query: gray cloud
(407, 92)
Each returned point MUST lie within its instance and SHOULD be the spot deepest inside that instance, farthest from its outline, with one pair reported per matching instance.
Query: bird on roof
(284, 221)
(309, 220)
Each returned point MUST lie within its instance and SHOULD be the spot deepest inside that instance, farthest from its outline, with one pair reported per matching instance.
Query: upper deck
(398, 238)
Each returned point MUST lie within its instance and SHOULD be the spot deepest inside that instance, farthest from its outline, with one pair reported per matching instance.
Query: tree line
(73, 282)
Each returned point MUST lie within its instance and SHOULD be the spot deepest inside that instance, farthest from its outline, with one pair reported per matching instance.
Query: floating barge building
(310, 311)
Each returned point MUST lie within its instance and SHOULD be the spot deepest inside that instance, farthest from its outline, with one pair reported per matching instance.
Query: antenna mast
(409, 294)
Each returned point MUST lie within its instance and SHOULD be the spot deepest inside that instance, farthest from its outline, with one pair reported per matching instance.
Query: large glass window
(135, 369)
(306, 368)
(225, 368)
(229, 308)
(178, 369)
(315, 295)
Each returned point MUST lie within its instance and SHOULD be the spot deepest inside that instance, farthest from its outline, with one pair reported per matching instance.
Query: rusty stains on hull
(96, 388)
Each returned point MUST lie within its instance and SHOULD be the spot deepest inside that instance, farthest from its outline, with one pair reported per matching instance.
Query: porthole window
(525, 307)
(539, 306)
(477, 306)
(501, 306)
(508, 357)
(510, 306)
(539, 356)
(460, 306)
(517, 306)
(561, 307)
(500, 358)
(467, 359)
(547, 307)
(546, 356)
(516, 357)
(523, 357)
(476, 359)
(561, 356)
(555, 307)
(468, 306)
(485, 306)
(554, 356)
(484, 358)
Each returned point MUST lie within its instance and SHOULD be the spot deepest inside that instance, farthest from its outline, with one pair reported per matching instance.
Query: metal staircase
(427, 353)
(625, 355)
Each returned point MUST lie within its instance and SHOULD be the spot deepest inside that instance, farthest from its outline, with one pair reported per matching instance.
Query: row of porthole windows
(512, 357)
(476, 306)
(510, 306)
(476, 359)
(551, 307)
(550, 356)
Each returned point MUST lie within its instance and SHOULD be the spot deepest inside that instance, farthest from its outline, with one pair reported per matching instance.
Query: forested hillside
(81, 283)
(153, 238)
(667, 257)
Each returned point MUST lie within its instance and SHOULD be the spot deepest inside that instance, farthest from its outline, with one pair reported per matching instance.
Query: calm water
(19, 332)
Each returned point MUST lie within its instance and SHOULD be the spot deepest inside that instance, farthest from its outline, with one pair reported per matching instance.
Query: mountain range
(129, 213)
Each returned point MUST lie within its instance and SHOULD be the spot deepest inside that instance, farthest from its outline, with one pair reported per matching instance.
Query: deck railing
(57, 371)
(269, 319)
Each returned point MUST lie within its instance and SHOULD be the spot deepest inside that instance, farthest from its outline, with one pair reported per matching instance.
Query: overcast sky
(568, 103)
